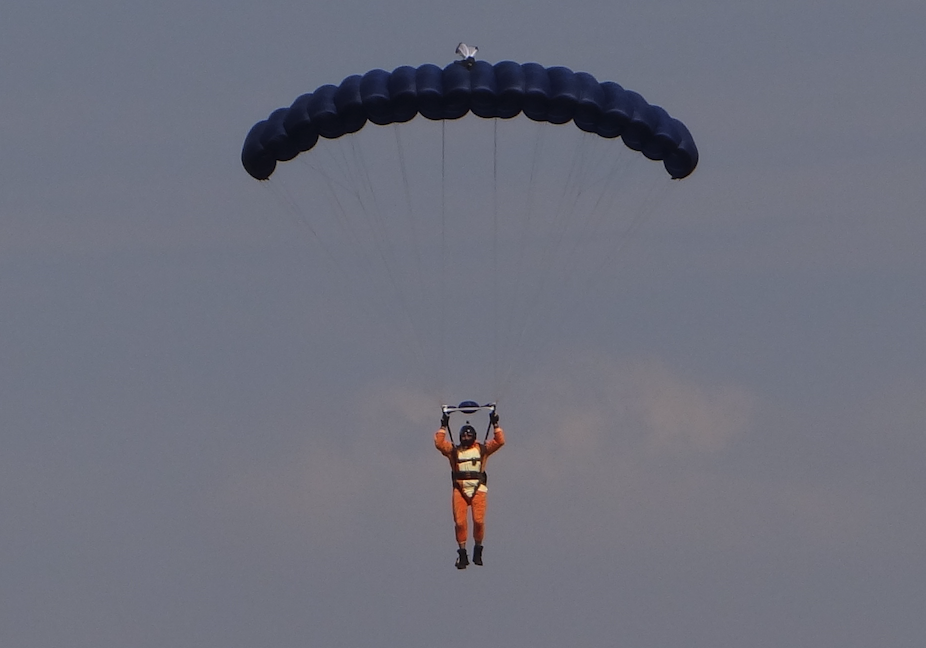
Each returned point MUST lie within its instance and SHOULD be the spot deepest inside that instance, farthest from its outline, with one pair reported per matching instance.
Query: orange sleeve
(442, 443)
(497, 441)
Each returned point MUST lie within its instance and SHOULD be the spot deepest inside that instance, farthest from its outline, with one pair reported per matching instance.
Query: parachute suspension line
(604, 206)
(347, 225)
(413, 225)
(656, 194)
(443, 253)
(551, 229)
(289, 204)
(326, 188)
(605, 198)
(610, 244)
(523, 273)
(336, 207)
(374, 221)
(556, 231)
(382, 240)
(559, 260)
(416, 251)
(524, 227)
(360, 187)
(560, 257)
(588, 221)
(348, 171)
(548, 246)
(322, 172)
(606, 264)
(495, 297)
(564, 219)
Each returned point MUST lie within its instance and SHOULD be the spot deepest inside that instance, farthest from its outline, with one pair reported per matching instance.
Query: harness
(459, 476)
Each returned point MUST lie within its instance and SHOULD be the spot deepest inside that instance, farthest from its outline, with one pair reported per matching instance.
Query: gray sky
(210, 441)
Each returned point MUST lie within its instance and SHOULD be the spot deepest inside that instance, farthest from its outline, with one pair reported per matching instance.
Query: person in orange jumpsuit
(467, 465)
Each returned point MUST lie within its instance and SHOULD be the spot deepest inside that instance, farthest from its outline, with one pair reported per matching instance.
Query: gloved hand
(493, 418)
(445, 421)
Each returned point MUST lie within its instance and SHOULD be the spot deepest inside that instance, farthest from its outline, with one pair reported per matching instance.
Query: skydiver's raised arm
(441, 442)
(497, 440)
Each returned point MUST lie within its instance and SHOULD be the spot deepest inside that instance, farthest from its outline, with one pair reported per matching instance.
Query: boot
(462, 558)
(477, 555)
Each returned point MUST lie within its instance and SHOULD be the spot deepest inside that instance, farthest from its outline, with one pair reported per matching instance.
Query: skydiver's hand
(493, 418)
(445, 420)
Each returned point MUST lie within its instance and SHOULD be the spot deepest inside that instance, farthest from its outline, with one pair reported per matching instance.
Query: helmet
(467, 435)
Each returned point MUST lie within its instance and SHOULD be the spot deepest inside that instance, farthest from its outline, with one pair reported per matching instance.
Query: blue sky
(209, 441)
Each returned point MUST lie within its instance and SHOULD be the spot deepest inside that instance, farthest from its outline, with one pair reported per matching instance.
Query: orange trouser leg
(460, 507)
(459, 516)
(479, 517)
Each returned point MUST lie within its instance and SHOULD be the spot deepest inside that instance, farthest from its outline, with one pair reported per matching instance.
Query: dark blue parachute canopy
(504, 90)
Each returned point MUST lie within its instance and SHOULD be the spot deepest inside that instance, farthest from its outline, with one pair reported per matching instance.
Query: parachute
(504, 90)
(459, 221)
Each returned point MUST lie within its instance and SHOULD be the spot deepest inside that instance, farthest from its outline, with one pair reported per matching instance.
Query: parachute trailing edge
(504, 90)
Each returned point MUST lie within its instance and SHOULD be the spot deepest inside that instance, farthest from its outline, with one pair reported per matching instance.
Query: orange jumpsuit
(469, 492)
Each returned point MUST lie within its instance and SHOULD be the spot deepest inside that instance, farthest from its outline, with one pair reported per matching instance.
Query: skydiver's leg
(479, 517)
(459, 524)
(459, 517)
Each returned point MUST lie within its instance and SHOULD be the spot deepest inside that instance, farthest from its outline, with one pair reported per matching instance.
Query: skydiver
(467, 465)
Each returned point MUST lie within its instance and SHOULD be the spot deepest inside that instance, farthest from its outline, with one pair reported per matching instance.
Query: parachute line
(536, 231)
(495, 341)
(443, 253)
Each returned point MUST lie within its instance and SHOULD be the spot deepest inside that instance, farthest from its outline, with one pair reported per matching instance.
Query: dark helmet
(467, 435)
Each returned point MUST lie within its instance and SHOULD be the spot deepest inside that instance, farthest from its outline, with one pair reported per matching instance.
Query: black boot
(462, 558)
(477, 555)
